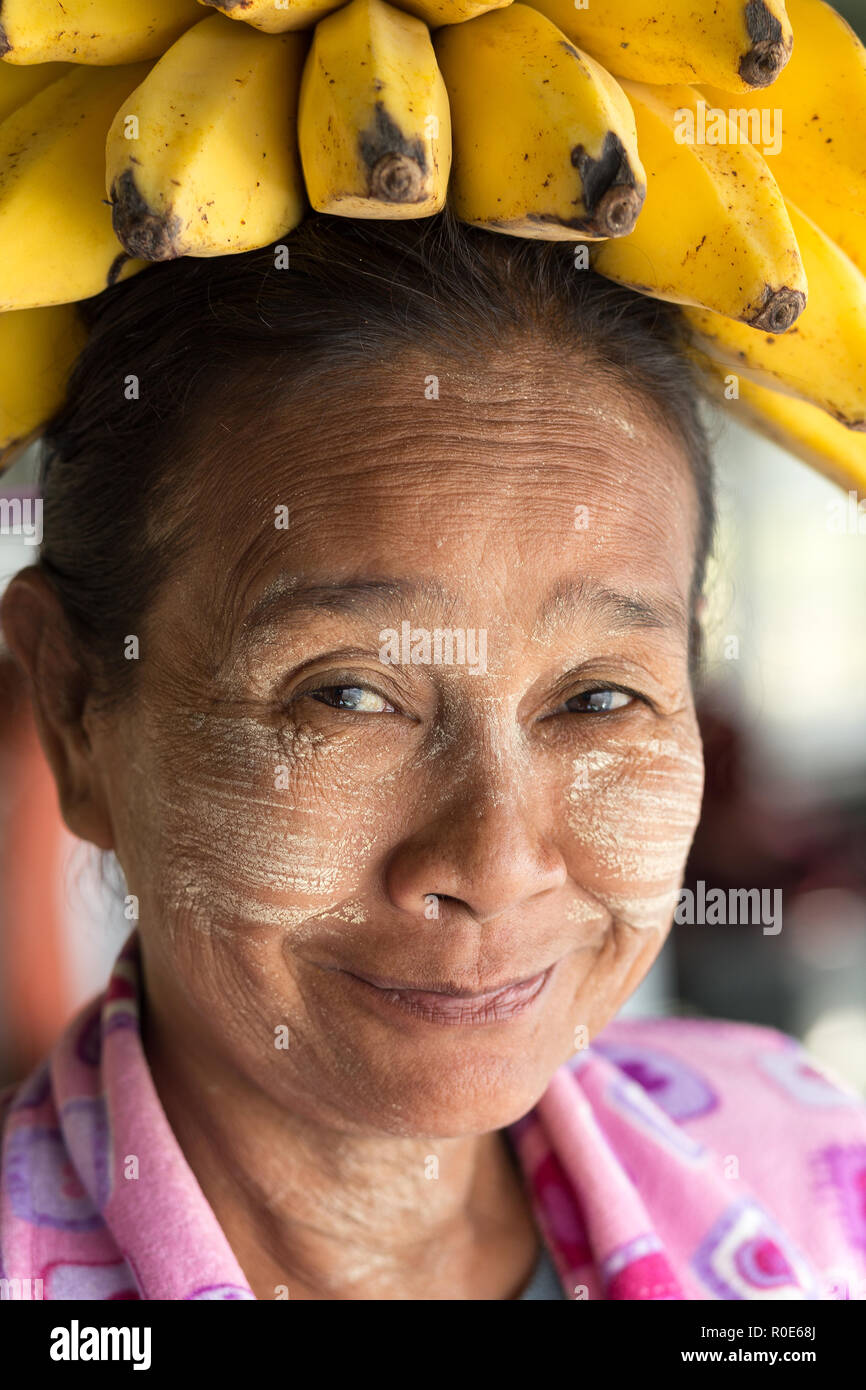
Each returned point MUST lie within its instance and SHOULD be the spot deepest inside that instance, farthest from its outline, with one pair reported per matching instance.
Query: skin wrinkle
(547, 836)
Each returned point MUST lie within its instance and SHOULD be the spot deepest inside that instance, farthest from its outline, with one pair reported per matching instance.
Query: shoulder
(7, 1095)
(729, 1034)
(765, 1112)
(695, 1067)
(26, 1094)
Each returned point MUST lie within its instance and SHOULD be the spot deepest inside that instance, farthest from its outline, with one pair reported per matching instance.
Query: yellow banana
(803, 429)
(822, 359)
(714, 230)
(819, 105)
(18, 85)
(373, 121)
(275, 16)
(736, 44)
(56, 239)
(544, 139)
(37, 350)
(201, 159)
(91, 31)
(437, 12)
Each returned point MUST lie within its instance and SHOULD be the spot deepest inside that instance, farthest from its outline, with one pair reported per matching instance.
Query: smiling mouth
(447, 1003)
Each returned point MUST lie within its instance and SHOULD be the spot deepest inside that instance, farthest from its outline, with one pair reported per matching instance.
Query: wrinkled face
(313, 790)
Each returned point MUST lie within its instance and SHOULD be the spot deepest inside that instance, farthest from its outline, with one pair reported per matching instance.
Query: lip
(446, 1004)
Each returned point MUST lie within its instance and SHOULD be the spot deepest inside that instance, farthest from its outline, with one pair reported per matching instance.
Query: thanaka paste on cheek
(252, 835)
(632, 808)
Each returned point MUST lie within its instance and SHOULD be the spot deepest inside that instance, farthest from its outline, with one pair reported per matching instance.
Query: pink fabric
(672, 1159)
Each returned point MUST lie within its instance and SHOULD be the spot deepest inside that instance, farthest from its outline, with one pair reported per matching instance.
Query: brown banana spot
(617, 210)
(769, 52)
(5, 45)
(150, 235)
(569, 48)
(611, 196)
(396, 179)
(779, 310)
(397, 167)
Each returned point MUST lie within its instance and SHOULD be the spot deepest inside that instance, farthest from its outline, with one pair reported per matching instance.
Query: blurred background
(855, 13)
(783, 714)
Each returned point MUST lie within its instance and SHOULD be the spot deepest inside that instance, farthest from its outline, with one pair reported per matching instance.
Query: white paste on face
(632, 809)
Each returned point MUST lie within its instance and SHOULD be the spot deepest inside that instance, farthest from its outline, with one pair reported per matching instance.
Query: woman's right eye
(359, 699)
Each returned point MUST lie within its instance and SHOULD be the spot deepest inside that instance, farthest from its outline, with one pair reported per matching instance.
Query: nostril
(433, 904)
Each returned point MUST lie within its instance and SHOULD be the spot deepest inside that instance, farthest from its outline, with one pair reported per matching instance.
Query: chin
(450, 1092)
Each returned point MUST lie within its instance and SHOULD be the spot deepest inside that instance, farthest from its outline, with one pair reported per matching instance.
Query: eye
(360, 699)
(602, 700)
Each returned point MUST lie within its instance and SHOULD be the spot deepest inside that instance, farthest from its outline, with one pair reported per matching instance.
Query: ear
(39, 636)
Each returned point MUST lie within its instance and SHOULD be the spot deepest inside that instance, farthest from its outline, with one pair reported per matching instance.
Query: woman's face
(296, 804)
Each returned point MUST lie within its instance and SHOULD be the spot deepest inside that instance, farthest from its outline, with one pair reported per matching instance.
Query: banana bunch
(713, 156)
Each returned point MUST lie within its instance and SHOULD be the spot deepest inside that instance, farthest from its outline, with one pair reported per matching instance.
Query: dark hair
(194, 332)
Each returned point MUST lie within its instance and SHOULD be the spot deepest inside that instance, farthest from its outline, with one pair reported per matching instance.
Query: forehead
(498, 482)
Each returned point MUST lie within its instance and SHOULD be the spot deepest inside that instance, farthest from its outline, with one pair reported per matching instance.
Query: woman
(364, 634)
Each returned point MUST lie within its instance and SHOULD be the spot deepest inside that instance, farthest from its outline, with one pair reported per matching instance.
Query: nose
(486, 847)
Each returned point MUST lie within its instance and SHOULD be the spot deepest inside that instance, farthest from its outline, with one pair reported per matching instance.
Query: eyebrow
(368, 598)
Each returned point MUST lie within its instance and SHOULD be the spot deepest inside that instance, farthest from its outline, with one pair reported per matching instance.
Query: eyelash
(598, 688)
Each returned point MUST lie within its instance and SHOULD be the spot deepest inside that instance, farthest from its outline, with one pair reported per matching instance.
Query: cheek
(631, 812)
(246, 828)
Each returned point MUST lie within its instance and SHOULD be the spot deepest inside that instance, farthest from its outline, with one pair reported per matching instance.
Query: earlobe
(37, 633)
